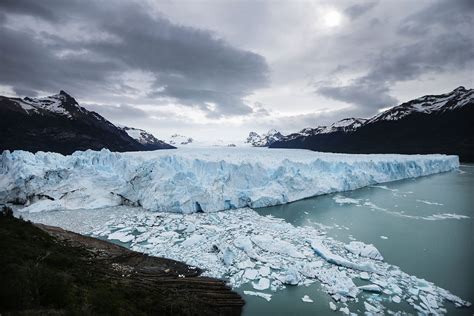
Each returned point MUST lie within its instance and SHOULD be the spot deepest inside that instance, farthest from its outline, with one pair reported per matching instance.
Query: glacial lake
(422, 225)
(402, 228)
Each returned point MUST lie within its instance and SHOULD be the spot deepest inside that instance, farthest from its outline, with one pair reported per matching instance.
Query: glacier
(189, 180)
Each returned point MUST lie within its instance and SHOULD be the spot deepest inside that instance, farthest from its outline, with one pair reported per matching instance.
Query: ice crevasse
(197, 179)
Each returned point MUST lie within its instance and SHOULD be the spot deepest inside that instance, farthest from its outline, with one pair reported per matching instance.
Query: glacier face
(189, 180)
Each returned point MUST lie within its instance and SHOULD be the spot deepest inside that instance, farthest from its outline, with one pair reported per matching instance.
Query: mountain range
(59, 124)
(264, 140)
(429, 124)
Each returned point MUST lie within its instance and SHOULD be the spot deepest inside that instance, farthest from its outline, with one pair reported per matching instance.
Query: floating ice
(371, 288)
(265, 296)
(371, 309)
(272, 244)
(339, 199)
(429, 203)
(121, 236)
(327, 255)
(189, 180)
(216, 235)
(344, 310)
(364, 250)
(307, 299)
(434, 217)
(262, 284)
(250, 274)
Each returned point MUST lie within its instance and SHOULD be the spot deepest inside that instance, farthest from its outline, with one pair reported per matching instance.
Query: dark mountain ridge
(59, 124)
(426, 125)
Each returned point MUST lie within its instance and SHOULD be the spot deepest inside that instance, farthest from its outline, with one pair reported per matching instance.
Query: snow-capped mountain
(428, 104)
(178, 140)
(144, 138)
(346, 125)
(264, 140)
(58, 123)
(429, 124)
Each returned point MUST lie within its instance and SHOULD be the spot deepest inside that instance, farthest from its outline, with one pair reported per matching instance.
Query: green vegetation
(41, 274)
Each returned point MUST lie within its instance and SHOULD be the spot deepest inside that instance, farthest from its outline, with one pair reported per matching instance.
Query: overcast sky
(219, 69)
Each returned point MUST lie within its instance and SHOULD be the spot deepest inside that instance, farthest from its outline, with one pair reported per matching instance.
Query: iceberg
(265, 296)
(364, 250)
(189, 180)
(262, 284)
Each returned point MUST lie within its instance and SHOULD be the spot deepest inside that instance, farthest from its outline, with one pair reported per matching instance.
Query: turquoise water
(438, 250)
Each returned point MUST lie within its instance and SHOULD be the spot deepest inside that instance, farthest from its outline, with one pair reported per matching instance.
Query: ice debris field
(165, 203)
(193, 180)
(244, 247)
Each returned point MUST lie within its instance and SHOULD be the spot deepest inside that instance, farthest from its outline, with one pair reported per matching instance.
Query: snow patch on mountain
(142, 136)
(177, 140)
(428, 104)
(54, 104)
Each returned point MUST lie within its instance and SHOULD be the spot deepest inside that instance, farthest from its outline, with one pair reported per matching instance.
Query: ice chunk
(396, 299)
(228, 256)
(265, 296)
(371, 309)
(250, 274)
(190, 228)
(245, 264)
(337, 282)
(429, 301)
(339, 199)
(307, 299)
(364, 275)
(332, 306)
(384, 237)
(327, 255)
(344, 310)
(192, 240)
(371, 288)
(272, 244)
(264, 271)
(121, 236)
(311, 269)
(364, 250)
(262, 284)
(291, 276)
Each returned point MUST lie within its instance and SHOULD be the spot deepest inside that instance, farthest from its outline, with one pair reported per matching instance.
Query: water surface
(402, 219)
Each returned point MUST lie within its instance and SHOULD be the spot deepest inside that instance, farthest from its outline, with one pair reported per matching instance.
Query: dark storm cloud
(189, 65)
(449, 47)
(441, 13)
(362, 94)
(117, 113)
(28, 65)
(359, 9)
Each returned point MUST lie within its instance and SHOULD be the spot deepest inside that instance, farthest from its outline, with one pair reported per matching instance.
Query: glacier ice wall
(197, 179)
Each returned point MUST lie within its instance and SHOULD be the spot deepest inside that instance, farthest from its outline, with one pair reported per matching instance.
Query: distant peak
(64, 93)
(460, 89)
